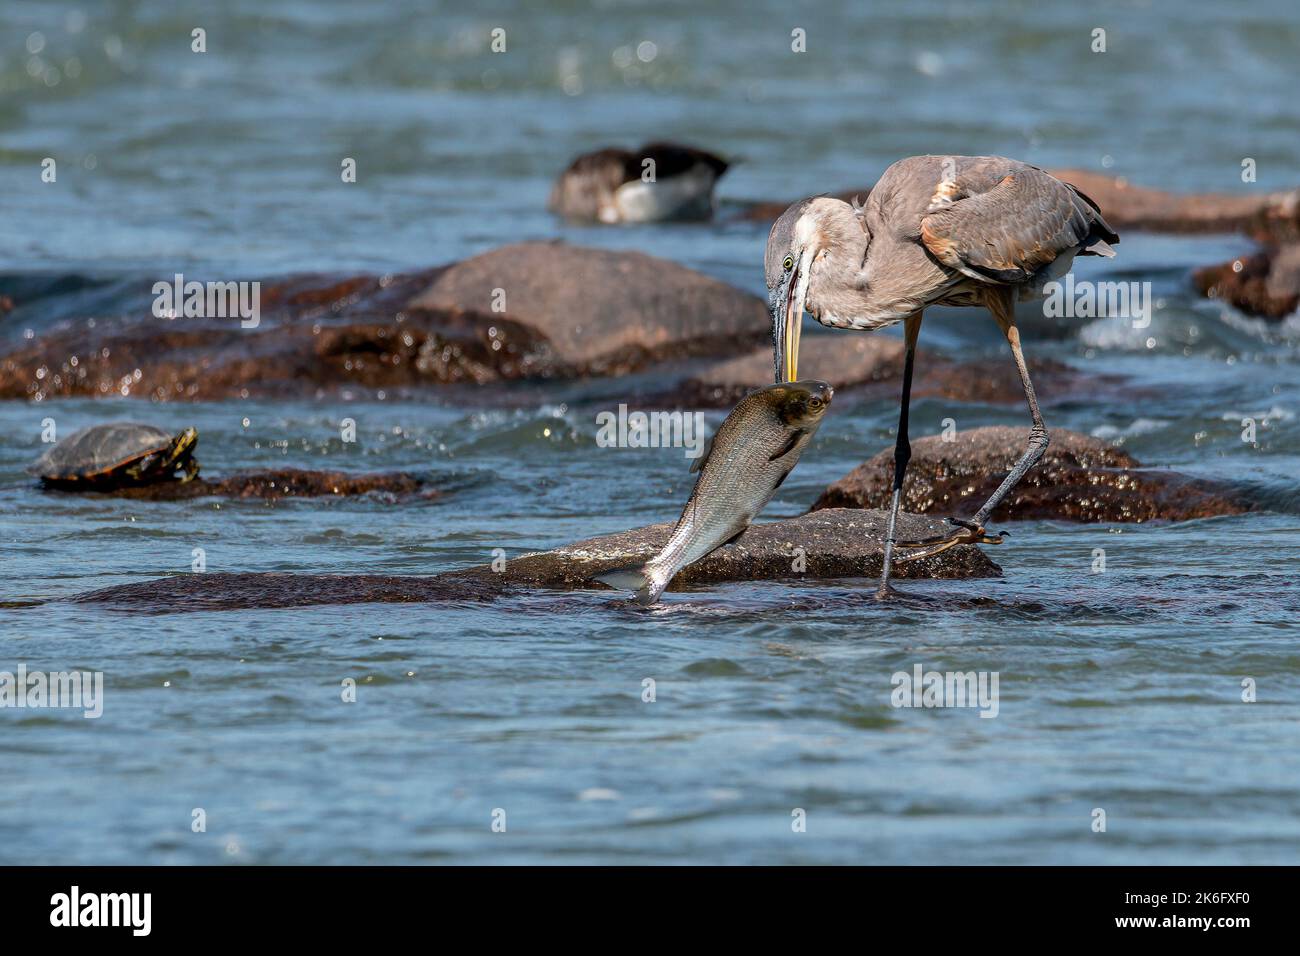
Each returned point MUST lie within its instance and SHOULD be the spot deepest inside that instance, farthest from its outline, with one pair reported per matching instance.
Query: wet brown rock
(171, 360)
(300, 294)
(277, 484)
(837, 544)
(570, 312)
(844, 543)
(1266, 284)
(1079, 479)
(603, 312)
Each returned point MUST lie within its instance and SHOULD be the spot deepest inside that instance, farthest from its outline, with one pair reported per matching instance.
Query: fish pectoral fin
(698, 463)
(789, 446)
(781, 481)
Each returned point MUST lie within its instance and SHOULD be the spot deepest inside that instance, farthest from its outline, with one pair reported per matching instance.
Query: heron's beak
(787, 320)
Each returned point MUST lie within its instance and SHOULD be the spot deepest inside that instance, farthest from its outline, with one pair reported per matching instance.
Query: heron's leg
(1000, 304)
(1038, 437)
(902, 451)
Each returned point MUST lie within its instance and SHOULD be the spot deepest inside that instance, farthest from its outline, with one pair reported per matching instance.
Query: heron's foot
(968, 532)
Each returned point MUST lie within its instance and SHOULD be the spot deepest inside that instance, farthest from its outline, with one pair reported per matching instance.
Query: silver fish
(745, 462)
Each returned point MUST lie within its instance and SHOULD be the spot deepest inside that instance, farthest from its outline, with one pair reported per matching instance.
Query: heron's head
(797, 249)
(792, 246)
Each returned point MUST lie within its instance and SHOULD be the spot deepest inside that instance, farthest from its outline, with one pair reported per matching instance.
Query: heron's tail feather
(1099, 247)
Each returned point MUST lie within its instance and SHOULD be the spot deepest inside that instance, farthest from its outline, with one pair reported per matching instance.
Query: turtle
(118, 454)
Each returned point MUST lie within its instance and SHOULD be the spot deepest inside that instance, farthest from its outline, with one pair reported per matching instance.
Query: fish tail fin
(643, 580)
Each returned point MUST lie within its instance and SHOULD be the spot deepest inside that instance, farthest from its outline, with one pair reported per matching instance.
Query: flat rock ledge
(843, 543)
(1080, 478)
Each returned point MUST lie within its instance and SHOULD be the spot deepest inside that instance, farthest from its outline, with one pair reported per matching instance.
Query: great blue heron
(659, 181)
(935, 230)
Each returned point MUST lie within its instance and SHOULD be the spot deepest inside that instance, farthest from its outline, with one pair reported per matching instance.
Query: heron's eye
(789, 263)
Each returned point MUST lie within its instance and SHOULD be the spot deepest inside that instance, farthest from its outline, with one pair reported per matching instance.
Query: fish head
(802, 404)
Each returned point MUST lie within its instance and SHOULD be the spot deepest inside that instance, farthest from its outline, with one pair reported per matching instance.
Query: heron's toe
(968, 532)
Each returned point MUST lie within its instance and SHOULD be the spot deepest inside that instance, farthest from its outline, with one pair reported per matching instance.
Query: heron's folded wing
(1007, 232)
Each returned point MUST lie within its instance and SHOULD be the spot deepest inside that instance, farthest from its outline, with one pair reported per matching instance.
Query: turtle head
(181, 453)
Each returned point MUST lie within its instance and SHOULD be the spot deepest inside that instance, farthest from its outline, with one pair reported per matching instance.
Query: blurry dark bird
(658, 182)
(936, 230)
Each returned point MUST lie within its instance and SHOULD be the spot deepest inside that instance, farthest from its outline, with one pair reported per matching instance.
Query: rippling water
(1119, 690)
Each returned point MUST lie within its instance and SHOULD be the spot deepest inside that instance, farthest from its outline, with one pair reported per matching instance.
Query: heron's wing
(1005, 229)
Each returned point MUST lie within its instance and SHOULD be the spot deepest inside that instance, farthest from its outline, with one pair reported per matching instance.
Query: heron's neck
(838, 284)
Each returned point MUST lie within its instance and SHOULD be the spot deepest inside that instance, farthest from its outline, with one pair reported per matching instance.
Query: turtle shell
(99, 450)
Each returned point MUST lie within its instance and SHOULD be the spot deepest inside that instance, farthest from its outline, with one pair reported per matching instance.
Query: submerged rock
(1079, 479)
(840, 543)
(835, 544)
(844, 360)
(850, 360)
(279, 483)
(1265, 284)
(214, 591)
(603, 312)
(995, 381)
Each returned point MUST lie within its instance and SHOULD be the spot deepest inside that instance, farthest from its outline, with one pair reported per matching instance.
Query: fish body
(745, 463)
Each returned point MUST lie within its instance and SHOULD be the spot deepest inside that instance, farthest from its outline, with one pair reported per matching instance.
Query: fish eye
(789, 263)
(815, 403)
